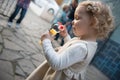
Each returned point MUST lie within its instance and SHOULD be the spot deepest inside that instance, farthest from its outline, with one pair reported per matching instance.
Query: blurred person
(23, 6)
(71, 12)
(70, 17)
(73, 6)
(63, 19)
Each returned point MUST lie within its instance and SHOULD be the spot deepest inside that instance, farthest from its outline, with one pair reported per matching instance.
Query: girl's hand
(46, 36)
(64, 32)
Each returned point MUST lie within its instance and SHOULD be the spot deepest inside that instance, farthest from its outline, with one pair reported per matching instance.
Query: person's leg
(62, 42)
(57, 36)
(69, 27)
(22, 15)
(17, 9)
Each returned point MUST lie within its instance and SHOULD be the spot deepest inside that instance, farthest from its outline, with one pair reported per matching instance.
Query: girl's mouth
(73, 29)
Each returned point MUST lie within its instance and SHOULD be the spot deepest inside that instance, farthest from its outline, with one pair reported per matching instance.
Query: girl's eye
(77, 17)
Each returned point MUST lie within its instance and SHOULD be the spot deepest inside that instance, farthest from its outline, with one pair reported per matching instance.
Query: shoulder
(78, 47)
(82, 45)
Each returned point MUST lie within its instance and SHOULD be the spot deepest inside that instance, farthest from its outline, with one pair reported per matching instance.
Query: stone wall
(7, 7)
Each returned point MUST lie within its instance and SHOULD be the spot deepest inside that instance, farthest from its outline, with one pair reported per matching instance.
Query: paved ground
(20, 52)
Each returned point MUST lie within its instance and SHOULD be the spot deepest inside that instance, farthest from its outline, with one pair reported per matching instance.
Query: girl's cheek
(77, 25)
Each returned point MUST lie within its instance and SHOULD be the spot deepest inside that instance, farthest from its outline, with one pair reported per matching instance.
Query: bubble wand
(56, 28)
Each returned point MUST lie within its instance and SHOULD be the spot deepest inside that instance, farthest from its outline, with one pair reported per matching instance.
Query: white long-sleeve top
(73, 54)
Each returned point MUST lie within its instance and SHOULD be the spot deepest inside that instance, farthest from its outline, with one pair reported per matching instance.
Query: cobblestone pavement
(20, 52)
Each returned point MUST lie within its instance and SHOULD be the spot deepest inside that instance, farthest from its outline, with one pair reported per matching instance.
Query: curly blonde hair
(101, 15)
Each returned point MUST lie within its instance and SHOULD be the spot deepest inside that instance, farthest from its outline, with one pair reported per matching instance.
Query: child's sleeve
(67, 38)
(74, 54)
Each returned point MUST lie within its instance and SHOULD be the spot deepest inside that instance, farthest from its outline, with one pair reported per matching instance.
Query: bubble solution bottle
(55, 28)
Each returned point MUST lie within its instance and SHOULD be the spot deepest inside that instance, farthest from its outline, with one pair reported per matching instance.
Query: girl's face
(81, 22)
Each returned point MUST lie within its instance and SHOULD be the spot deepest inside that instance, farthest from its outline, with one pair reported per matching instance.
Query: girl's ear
(94, 22)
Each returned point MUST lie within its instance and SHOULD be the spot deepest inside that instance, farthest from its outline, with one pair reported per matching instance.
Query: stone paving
(7, 6)
(20, 52)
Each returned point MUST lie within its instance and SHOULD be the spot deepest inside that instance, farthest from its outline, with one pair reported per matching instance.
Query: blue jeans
(22, 14)
(69, 29)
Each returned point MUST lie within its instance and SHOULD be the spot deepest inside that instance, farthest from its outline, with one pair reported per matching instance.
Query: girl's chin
(74, 33)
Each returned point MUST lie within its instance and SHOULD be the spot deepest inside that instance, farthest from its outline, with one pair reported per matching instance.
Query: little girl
(92, 20)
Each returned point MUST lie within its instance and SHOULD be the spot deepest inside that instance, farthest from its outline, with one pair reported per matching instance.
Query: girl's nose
(73, 22)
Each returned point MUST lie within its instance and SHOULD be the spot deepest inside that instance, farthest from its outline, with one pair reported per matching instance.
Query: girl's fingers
(63, 32)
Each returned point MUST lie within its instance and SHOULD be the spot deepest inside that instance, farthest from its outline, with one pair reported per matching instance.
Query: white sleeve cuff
(67, 38)
(46, 41)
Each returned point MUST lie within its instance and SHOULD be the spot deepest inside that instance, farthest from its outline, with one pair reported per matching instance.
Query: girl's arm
(74, 54)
